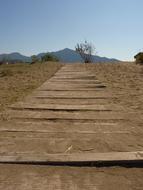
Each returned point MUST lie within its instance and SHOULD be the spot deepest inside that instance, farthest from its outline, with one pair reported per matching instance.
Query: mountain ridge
(14, 56)
(64, 55)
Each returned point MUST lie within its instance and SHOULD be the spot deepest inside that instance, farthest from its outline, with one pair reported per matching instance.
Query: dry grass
(17, 81)
(125, 81)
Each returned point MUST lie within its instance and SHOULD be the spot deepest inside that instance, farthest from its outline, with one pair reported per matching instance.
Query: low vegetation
(139, 58)
(49, 57)
(34, 59)
(17, 80)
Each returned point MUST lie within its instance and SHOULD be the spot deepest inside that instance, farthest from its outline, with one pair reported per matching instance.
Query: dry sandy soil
(125, 81)
(18, 80)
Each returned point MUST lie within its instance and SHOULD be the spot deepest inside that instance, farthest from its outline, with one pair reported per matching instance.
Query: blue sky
(115, 27)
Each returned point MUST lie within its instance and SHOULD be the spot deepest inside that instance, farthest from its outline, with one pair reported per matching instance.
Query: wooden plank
(77, 84)
(49, 133)
(100, 98)
(69, 101)
(75, 80)
(64, 115)
(80, 74)
(64, 126)
(37, 106)
(82, 157)
(69, 88)
(39, 143)
(75, 137)
(74, 73)
(74, 84)
(49, 126)
(72, 94)
(74, 77)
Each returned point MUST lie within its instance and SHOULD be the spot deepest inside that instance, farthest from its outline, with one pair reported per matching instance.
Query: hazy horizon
(51, 52)
(34, 26)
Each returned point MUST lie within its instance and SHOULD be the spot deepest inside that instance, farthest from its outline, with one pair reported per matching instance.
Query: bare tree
(86, 51)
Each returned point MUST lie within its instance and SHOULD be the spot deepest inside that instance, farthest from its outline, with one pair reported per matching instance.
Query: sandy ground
(125, 80)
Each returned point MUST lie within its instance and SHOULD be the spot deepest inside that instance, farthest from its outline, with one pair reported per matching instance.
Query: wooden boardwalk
(69, 119)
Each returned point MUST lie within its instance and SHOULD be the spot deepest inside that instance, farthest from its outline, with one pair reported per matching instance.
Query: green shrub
(34, 59)
(139, 58)
(49, 57)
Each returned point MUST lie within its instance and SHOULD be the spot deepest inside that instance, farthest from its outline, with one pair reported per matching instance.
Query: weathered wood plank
(67, 127)
(58, 134)
(75, 80)
(96, 83)
(74, 84)
(82, 73)
(61, 87)
(82, 157)
(73, 97)
(69, 101)
(37, 106)
(74, 77)
(79, 74)
(53, 143)
(71, 115)
(72, 94)
(64, 126)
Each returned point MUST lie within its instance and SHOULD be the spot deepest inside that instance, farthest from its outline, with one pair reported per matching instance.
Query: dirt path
(70, 114)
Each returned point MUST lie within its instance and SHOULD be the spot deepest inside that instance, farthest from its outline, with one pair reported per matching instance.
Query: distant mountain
(65, 55)
(14, 56)
(68, 55)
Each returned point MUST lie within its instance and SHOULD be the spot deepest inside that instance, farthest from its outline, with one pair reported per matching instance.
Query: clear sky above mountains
(34, 26)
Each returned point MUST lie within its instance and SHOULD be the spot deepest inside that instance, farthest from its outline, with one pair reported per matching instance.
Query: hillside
(14, 56)
(66, 55)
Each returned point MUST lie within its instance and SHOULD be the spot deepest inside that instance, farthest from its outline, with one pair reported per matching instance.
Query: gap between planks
(38, 106)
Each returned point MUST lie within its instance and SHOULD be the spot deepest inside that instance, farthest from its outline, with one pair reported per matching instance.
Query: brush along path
(69, 119)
